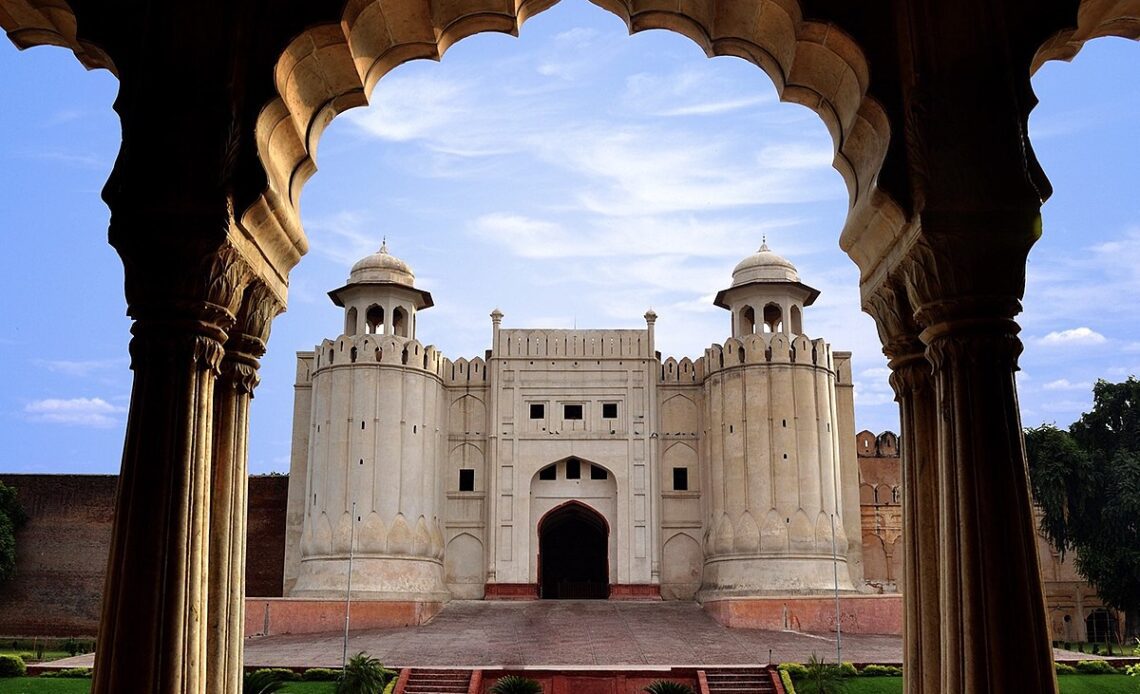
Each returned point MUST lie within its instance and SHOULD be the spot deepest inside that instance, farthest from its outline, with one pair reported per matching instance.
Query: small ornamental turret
(766, 295)
(380, 297)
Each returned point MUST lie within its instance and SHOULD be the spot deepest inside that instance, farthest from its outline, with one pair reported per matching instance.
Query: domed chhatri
(764, 266)
(766, 295)
(382, 267)
(380, 296)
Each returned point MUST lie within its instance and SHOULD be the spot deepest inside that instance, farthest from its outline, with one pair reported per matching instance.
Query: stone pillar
(993, 631)
(152, 635)
(229, 488)
(912, 382)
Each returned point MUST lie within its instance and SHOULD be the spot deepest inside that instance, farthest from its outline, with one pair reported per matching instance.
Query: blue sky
(571, 176)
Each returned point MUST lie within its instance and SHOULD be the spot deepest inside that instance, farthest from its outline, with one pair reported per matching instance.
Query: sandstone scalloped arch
(333, 67)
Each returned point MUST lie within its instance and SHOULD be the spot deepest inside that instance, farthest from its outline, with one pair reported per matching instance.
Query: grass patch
(1070, 684)
(872, 685)
(310, 688)
(36, 685)
(1097, 684)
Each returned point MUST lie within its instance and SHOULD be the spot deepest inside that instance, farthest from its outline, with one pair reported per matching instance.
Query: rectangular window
(537, 410)
(466, 480)
(680, 479)
(609, 410)
(598, 473)
(571, 411)
(548, 473)
(573, 469)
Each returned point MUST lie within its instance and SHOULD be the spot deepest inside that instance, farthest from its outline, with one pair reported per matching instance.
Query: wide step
(740, 681)
(438, 682)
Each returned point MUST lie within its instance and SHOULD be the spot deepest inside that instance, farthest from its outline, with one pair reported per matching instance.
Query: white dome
(381, 266)
(764, 266)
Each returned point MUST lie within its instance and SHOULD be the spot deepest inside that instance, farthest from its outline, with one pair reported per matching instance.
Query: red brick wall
(61, 554)
(265, 551)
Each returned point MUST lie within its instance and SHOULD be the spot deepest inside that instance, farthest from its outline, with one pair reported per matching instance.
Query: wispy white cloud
(673, 235)
(344, 237)
(84, 412)
(1066, 384)
(1073, 337)
(82, 368)
(872, 387)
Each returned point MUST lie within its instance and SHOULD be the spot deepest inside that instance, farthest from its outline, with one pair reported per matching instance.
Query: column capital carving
(890, 306)
(248, 338)
(968, 265)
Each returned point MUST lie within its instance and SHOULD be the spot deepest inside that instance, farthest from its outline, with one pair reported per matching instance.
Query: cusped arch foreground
(334, 67)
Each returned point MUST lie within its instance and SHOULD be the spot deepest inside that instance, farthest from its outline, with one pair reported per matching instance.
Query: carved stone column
(229, 487)
(992, 619)
(912, 382)
(152, 635)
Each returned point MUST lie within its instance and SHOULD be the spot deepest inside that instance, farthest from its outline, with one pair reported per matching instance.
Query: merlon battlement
(570, 344)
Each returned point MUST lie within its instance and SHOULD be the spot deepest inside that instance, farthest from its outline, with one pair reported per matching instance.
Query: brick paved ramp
(567, 633)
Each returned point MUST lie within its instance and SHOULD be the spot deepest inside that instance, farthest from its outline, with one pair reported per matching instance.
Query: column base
(759, 575)
(860, 614)
(385, 579)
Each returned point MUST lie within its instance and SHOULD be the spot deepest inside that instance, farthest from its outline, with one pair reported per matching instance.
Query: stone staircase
(428, 681)
(740, 681)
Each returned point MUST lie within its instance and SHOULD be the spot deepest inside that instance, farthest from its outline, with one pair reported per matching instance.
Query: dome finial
(384, 246)
(764, 243)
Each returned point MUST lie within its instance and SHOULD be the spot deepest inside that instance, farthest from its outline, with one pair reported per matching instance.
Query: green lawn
(310, 688)
(1070, 684)
(36, 685)
(39, 685)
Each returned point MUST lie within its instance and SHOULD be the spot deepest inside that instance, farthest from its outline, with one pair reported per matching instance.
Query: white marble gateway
(572, 463)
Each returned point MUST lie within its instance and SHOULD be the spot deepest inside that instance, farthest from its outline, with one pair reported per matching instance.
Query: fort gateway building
(574, 463)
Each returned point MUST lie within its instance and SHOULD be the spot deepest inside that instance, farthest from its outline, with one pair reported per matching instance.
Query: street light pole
(835, 568)
(348, 591)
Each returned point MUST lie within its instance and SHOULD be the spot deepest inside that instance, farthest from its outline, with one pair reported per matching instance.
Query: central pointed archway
(573, 554)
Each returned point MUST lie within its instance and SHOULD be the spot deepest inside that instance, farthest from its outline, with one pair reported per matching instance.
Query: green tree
(12, 518)
(1087, 482)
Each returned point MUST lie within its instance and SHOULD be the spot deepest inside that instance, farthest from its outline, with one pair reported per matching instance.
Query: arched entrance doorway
(573, 554)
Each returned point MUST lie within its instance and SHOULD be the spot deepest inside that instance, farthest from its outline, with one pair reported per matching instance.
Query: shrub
(1063, 669)
(1132, 670)
(364, 674)
(795, 670)
(668, 687)
(516, 684)
(320, 674)
(848, 670)
(283, 674)
(1095, 667)
(72, 673)
(822, 678)
(786, 680)
(882, 671)
(12, 666)
(262, 682)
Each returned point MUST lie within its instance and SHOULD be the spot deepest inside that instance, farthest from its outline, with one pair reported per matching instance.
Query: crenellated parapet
(464, 373)
(568, 344)
(383, 350)
(683, 372)
(773, 348)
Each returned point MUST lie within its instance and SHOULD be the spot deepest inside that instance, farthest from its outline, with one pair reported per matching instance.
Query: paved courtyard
(568, 633)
